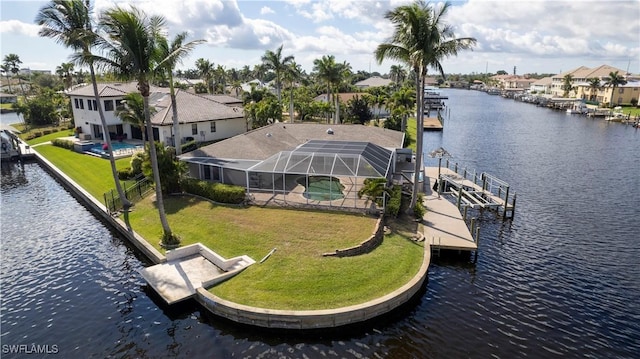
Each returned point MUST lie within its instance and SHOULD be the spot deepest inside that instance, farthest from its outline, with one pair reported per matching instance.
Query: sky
(537, 36)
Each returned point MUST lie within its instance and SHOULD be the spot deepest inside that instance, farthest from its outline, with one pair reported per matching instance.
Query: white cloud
(266, 10)
(19, 28)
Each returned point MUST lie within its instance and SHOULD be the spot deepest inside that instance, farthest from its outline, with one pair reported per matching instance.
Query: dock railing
(498, 190)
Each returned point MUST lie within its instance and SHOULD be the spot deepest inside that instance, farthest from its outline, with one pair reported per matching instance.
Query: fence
(133, 193)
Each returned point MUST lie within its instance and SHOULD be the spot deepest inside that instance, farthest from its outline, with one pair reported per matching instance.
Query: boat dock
(432, 124)
(444, 227)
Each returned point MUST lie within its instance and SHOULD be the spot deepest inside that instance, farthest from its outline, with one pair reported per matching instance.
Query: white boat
(8, 150)
(617, 117)
(578, 108)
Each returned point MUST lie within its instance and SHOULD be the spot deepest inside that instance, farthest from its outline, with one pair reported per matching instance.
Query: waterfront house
(581, 75)
(541, 86)
(201, 118)
(378, 111)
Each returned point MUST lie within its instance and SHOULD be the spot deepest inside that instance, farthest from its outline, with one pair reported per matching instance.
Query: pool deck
(444, 227)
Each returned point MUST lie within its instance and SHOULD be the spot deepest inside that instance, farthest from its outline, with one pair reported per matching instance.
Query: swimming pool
(120, 149)
(321, 188)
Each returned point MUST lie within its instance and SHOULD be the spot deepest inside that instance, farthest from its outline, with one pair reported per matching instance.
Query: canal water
(560, 280)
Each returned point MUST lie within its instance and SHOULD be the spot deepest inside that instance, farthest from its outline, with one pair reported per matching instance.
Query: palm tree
(12, 61)
(205, 70)
(65, 71)
(275, 62)
(68, 22)
(398, 74)
(292, 73)
(567, 85)
(132, 111)
(594, 86)
(421, 39)
(614, 81)
(326, 72)
(403, 101)
(6, 69)
(132, 47)
(174, 52)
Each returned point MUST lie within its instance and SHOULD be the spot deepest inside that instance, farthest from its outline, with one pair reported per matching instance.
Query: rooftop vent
(268, 134)
(330, 131)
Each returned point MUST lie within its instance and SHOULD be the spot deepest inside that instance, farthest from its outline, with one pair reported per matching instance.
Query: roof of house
(344, 96)
(375, 81)
(224, 99)
(264, 142)
(545, 81)
(584, 72)
(115, 89)
(192, 108)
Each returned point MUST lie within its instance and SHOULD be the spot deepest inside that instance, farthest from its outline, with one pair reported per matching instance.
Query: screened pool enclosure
(318, 172)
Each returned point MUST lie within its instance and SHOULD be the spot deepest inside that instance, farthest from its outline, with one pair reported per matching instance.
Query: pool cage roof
(330, 158)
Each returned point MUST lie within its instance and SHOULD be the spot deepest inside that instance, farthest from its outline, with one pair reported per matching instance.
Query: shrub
(136, 163)
(124, 173)
(393, 206)
(419, 210)
(62, 143)
(217, 192)
(37, 134)
(46, 131)
(189, 146)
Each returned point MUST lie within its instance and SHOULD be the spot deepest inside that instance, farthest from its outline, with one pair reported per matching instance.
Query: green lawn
(92, 173)
(296, 276)
(412, 132)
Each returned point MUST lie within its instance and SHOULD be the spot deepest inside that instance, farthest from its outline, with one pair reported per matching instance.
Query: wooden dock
(432, 124)
(444, 227)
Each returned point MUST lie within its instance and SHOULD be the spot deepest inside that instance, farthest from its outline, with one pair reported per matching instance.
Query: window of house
(75, 103)
(206, 171)
(620, 90)
(119, 105)
(81, 102)
(108, 105)
(95, 105)
(90, 104)
(194, 129)
(213, 127)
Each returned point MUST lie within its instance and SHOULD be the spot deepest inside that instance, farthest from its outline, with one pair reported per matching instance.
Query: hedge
(62, 143)
(393, 206)
(217, 192)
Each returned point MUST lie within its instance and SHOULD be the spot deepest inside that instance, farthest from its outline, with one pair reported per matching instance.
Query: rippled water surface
(561, 280)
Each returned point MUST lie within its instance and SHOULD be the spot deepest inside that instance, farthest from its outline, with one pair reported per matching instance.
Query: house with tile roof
(581, 75)
(201, 118)
(374, 81)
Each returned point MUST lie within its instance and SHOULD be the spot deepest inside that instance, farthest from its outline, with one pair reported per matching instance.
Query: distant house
(201, 118)
(581, 75)
(541, 86)
(375, 81)
(378, 111)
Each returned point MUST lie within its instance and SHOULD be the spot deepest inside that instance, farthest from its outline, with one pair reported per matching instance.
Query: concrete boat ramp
(189, 268)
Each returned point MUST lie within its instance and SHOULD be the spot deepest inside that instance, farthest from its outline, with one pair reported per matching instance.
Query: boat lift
(477, 192)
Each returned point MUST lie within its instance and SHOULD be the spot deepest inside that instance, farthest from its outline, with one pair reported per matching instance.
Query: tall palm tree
(275, 62)
(174, 53)
(68, 22)
(132, 47)
(6, 69)
(594, 86)
(292, 73)
(65, 71)
(13, 62)
(567, 85)
(205, 70)
(332, 74)
(403, 100)
(614, 81)
(398, 74)
(421, 39)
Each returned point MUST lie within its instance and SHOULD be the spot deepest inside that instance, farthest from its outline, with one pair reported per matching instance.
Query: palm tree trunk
(112, 161)
(154, 165)
(291, 109)
(419, 135)
(176, 128)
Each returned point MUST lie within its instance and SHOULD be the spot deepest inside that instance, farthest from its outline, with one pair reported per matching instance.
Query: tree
(275, 62)
(358, 110)
(594, 86)
(421, 39)
(292, 74)
(131, 110)
(398, 74)
(65, 71)
(374, 189)
(333, 75)
(614, 81)
(12, 61)
(205, 71)
(170, 168)
(131, 44)
(401, 103)
(173, 53)
(6, 69)
(44, 108)
(567, 85)
(68, 22)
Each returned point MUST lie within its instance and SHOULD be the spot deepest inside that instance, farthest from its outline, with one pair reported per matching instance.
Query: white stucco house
(201, 118)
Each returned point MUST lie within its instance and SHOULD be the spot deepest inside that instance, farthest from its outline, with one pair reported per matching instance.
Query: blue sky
(534, 36)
